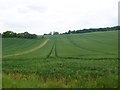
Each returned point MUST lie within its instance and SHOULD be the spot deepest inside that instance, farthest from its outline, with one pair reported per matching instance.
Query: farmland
(87, 60)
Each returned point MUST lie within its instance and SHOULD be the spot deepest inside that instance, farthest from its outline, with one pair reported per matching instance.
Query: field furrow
(51, 51)
(56, 53)
(68, 61)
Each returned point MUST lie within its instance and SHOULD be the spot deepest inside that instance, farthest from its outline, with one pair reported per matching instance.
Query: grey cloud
(37, 8)
(40, 16)
(30, 8)
(14, 25)
(23, 10)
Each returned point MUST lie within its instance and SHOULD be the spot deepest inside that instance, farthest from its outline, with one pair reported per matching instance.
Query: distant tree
(74, 32)
(8, 34)
(93, 30)
(32, 36)
(26, 35)
(11, 34)
(19, 35)
(69, 32)
(55, 33)
(117, 28)
(0, 35)
(45, 34)
(50, 33)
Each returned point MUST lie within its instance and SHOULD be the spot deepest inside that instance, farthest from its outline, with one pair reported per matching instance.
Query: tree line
(11, 34)
(92, 30)
(54, 33)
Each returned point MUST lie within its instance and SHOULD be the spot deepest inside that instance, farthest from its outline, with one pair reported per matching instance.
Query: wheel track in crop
(71, 41)
(53, 49)
(56, 54)
(31, 50)
(50, 51)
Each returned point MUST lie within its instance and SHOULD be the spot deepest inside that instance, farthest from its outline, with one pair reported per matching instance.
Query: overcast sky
(43, 16)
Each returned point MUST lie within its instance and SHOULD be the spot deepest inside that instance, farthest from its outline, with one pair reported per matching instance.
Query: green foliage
(11, 34)
(55, 33)
(81, 60)
(88, 45)
(16, 45)
(93, 30)
(72, 73)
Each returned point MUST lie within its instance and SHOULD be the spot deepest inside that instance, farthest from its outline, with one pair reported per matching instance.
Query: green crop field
(88, 60)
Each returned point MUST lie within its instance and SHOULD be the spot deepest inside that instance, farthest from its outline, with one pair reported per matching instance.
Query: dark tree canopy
(93, 30)
(55, 33)
(11, 34)
(8, 34)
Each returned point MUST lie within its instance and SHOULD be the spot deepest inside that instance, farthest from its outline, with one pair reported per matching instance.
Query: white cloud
(43, 16)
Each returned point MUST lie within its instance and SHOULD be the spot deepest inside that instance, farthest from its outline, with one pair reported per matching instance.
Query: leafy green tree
(93, 30)
(69, 32)
(9, 34)
(55, 33)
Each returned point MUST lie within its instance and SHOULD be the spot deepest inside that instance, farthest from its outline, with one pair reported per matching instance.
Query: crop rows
(79, 46)
(66, 46)
(53, 51)
(65, 61)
